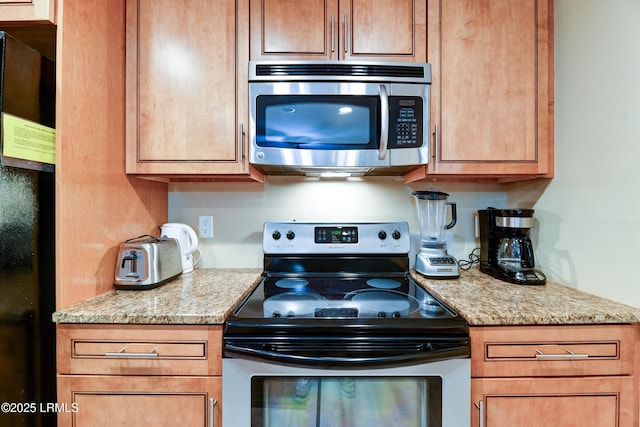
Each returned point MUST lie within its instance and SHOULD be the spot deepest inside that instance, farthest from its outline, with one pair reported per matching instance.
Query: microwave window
(317, 122)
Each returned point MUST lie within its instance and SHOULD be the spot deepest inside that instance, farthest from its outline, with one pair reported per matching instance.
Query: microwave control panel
(405, 122)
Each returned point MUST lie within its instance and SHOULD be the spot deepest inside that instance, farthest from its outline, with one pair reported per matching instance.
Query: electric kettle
(187, 241)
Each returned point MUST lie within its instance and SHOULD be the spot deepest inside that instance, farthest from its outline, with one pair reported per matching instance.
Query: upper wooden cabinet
(339, 29)
(187, 85)
(28, 11)
(492, 91)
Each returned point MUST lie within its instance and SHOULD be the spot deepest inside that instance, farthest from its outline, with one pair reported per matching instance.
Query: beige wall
(239, 210)
(589, 214)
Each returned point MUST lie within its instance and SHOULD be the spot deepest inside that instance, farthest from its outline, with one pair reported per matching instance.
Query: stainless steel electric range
(338, 334)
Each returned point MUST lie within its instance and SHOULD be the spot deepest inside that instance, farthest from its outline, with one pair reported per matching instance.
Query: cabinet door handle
(241, 143)
(333, 33)
(122, 353)
(212, 407)
(568, 355)
(346, 33)
(436, 142)
(480, 406)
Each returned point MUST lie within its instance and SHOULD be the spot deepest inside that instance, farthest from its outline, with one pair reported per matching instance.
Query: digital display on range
(336, 235)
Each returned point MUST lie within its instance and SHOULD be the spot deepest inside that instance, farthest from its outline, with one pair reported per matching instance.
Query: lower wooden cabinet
(137, 375)
(543, 402)
(96, 401)
(540, 376)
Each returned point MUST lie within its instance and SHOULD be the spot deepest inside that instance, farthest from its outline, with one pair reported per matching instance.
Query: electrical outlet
(205, 226)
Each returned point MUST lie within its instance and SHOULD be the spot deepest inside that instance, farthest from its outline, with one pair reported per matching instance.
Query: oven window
(346, 401)
(319, 122)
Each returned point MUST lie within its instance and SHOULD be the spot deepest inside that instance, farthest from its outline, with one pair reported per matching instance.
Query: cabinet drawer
(136, 349)
(551, 350)
(142, 349)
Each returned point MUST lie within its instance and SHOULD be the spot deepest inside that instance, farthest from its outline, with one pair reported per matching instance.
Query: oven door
(304, 126)
(267, 394)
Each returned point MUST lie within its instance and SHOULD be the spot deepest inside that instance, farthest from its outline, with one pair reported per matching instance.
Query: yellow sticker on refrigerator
(27, 140)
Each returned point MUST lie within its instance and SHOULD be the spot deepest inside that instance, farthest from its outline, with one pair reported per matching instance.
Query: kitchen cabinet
(553, 375)
(492, 90)
(32, 22)
(28, 11)
(139, 375)
(97, 204)
(338, 30)
(186, 89)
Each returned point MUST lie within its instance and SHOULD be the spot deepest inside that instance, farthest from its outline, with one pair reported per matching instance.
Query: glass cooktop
(341, 297)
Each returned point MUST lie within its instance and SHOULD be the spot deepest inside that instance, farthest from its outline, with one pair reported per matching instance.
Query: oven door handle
(396, 360)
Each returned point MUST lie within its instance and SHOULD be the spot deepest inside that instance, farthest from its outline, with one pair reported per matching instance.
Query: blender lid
(430, 195)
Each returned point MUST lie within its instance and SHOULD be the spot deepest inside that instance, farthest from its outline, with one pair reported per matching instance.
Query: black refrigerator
(27, 237)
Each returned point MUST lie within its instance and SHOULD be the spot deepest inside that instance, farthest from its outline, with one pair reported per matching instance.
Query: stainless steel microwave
(315, 117)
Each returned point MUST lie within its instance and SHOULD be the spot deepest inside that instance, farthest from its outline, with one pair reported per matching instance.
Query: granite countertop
(205, 296)
(483, 300)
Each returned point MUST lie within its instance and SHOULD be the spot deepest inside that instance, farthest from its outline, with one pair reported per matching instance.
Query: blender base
(438, 265)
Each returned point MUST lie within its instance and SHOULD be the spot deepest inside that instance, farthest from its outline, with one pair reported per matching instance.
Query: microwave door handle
(384, 122)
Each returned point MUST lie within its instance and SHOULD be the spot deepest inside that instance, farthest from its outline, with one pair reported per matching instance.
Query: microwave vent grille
(341, 69)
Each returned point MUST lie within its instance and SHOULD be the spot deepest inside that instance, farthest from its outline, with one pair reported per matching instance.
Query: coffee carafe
(506, 251)
(432, 260)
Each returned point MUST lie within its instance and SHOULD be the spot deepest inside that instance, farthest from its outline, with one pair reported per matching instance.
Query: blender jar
(432, 214)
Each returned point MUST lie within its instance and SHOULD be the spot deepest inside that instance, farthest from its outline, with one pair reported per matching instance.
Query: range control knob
(382, 234)
(396, 234)
(276, 235)
(290, 234)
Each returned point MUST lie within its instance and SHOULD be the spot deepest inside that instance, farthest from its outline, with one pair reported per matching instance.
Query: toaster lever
(132, 258)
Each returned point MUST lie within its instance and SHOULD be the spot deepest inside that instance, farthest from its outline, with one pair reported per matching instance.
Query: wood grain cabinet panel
(492, 91)
(96, 401)
(543, 402)
(187, 88)
(28, 11)
(554, 375)
(338, 30)
(164, 375)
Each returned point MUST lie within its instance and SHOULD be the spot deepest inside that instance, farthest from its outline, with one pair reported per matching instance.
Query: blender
(432, 260)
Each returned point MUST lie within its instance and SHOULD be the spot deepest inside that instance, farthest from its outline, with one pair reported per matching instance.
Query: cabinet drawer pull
(123, 353)
(568, 355)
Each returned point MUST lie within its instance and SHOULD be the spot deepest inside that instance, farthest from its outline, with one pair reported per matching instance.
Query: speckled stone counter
(205, 296)
(483, 300)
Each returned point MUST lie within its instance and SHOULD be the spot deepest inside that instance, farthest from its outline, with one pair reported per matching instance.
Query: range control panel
(332, 238)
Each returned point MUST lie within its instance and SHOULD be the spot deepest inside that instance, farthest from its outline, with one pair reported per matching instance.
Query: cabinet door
(383, 30)
(492, 93)
(294, 29)
(186, 87)
(338, 29)
(543, 402)
(95, 401)
(28, 11)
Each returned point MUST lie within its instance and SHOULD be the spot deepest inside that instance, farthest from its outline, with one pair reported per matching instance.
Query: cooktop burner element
(383, 303)
(289, 283)
(382, 283)
(335, 293)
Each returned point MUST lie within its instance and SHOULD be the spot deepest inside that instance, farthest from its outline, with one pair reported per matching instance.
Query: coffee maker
(506, 251)
(432, 260)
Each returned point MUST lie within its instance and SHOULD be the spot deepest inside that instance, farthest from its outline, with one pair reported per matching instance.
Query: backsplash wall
(240, 209)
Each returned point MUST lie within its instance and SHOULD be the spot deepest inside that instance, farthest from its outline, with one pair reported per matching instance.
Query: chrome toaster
(146, 262)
